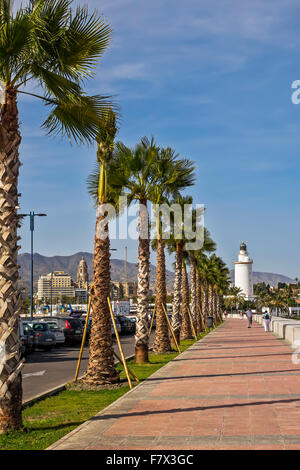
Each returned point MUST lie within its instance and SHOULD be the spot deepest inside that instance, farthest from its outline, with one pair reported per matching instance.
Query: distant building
(57, 284)
(243, 272)
(124, 289)
(81, 296)
(82, 281)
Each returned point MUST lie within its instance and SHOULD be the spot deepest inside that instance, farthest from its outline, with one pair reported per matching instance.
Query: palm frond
(78, 120)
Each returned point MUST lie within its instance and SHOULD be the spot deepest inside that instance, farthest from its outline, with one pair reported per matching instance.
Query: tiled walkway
(235, 389)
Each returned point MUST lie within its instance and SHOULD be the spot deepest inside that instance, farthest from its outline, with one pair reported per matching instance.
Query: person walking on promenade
(241, 315)
(267, 320)
(249, 316)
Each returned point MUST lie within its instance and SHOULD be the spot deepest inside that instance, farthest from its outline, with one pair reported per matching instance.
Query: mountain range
(46, 264)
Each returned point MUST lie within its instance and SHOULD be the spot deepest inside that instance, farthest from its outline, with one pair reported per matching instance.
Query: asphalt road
(45, 370)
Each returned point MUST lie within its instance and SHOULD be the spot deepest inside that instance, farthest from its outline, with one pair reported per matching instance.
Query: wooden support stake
(130, 371)
(83, 339)
(119, 343)
(152, 319)
(171, 330)
(192, 324)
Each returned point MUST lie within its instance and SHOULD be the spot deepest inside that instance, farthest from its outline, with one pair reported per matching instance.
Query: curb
(56, 390)
(62, 387)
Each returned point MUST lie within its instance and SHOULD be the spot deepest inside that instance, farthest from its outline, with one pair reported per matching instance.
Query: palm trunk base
(100, 380)
(141, 354)
(177, 336)
(186, 336)
(11, 408)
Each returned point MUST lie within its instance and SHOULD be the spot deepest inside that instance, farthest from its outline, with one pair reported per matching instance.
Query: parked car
(57, 331)
(88, 330)
(127, 326)
(150, 320)
(43, 337)
(117, 325)
(72, 328)
(26, 339)
(133, 321)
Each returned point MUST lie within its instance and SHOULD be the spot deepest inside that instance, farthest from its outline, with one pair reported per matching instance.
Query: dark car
(72, 328)
(127, 326)
(88, 329)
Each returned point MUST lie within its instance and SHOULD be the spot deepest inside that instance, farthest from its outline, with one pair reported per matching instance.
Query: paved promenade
(235, 389)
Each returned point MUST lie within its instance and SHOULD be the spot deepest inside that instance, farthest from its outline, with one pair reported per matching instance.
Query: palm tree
(175, 244)
(237, 296)
(216, 272)
(47, 44)
(176, 175)
(222, 282)
(186, 327)
(208, 246)
(101, 369)
(140, 177)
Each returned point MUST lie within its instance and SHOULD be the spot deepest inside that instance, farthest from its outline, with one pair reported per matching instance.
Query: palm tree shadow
(191, 409)
(233, 357)
(53, 428)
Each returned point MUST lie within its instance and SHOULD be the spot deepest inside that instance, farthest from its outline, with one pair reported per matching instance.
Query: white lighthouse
(243, 272)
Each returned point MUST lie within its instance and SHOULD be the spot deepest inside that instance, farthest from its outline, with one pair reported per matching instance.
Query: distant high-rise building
(82, 275)
(57, 284)
(243, 272)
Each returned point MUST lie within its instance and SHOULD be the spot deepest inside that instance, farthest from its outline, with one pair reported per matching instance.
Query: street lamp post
(31, 216)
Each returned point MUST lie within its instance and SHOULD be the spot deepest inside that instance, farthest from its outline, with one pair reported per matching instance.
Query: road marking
(34, 374)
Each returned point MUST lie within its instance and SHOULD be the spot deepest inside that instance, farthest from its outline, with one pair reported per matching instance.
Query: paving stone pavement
(237, 388)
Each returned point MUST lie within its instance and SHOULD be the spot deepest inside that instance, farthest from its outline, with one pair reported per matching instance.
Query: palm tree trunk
(162, 339)
(200, 322)
(205, 302)
(213, 302)
(219, 309)
(210, 301)
(101, 369)
(141, 336)
(186, 330)
(193, 290)
(177, 294)
(10, 364)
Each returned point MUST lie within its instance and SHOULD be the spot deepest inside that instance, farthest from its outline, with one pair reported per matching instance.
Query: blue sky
(213, 80)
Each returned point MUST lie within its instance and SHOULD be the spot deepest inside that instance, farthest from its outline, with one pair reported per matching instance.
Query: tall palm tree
(204, 274)
(186, 327)
(178, 174)
(101, 369)
(44, 43)
(222, 282)
(149, 175)
(140, 177)
(207, 247)
(175, 244)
